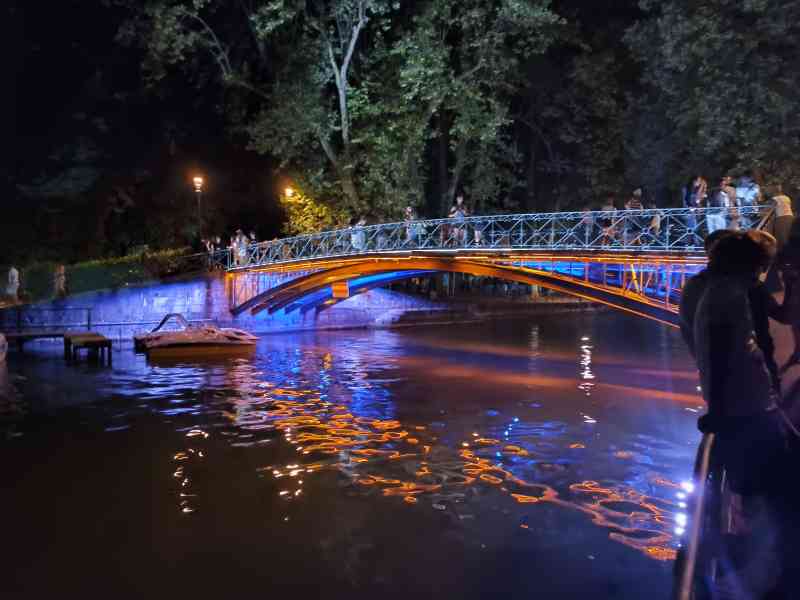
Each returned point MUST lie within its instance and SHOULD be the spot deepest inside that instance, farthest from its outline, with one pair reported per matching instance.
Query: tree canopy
(724, 74)
(351, 93)
(371, 105)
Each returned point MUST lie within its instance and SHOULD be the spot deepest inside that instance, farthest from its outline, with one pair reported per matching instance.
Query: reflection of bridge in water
(632, 260)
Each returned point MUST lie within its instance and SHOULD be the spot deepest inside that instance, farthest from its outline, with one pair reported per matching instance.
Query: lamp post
(198, 189)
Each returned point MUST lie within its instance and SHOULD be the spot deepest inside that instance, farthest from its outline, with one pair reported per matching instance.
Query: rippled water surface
(513, 459)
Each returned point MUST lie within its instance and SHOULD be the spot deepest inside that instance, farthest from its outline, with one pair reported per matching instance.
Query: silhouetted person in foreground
(763, 305)
(755, 442)
(734, 372)
(693, 290)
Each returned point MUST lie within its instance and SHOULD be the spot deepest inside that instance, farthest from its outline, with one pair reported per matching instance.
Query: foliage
(725, 75)
(349, 91)
(37, 278)
(462, 63)
(36, 281)
(310, 49)
(307, 215)
(596, 125)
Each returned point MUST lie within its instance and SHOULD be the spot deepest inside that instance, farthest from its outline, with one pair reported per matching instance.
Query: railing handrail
(756, 208)
(686, 567)
(641, 230)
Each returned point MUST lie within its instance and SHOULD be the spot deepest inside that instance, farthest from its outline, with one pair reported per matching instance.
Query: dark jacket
(733, 371)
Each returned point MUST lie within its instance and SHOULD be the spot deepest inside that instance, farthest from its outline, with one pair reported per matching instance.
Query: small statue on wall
(60, 281)
(12, 289)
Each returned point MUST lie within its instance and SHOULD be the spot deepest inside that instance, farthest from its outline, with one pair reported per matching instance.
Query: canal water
(541, 458)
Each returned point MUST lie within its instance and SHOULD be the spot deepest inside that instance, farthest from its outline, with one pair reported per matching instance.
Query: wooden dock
(95, 344)
(21, 337)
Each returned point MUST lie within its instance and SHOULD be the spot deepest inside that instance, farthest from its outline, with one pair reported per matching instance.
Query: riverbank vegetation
(371, 105)
(38, 279)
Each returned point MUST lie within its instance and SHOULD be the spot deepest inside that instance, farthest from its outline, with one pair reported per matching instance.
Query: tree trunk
(530, 177)
(443, 149)
(461, 156)
(414, 193)
(349, 188)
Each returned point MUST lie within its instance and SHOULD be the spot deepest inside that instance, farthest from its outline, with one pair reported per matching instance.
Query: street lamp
(289, 192)
(198, 189)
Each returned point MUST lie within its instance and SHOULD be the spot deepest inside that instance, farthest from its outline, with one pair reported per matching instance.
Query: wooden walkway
(95, 344)
(21, 337)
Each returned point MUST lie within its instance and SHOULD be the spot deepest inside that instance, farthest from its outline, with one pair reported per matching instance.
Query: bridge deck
(634, 260)
(651, 231)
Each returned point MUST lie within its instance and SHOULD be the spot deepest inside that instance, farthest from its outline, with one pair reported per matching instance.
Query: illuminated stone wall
(124, 312)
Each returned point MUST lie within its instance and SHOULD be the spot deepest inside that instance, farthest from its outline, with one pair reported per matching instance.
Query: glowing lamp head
(198, 184)
(289, 192)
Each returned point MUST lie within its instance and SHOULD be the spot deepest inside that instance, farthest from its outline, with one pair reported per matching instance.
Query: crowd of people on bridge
(237, 246)
(731, 205)
(727, 205)
(724, 316)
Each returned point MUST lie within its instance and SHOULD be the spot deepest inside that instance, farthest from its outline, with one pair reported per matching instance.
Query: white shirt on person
(747, 192)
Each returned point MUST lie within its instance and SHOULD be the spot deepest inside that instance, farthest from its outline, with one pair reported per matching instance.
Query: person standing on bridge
(635, 201)
(607, 222)
(242, 243)
(409, 218)
(729, 190)
(586, 225)
(748, 196)
(653, 228)
(233, 248)
(694, 197)
(632, 226)
(784, 215)
(459, 213)
(236, 251)
(357, 234)
(719, 203)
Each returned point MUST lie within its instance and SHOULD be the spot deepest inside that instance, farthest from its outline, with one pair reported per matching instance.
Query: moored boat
(193, 339)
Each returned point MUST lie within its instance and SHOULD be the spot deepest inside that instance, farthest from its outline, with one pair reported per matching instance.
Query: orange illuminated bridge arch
(644, 285)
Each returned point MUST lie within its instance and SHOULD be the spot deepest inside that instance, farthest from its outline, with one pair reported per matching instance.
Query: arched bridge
(632, 260)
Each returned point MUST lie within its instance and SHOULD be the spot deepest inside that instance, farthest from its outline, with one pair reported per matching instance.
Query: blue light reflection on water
(457, 417)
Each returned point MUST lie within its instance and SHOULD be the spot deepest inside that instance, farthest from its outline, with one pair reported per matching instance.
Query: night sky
(66, 62)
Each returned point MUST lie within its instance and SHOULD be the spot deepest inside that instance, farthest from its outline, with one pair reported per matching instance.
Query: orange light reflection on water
(379, 454)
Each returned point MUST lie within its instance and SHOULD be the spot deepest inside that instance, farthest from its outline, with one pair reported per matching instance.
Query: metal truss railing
(648, 279)
(649, 230)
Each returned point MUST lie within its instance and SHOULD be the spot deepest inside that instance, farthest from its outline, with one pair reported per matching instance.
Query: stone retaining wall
(124, 312)
(121, 313)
